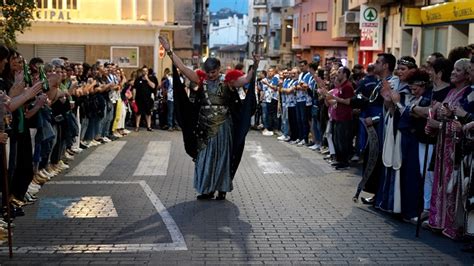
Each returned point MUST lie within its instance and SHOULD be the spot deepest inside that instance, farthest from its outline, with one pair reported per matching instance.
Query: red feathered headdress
(202, 75)
(233, 75)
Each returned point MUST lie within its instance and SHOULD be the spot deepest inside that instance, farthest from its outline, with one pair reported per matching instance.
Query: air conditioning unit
(351, 17)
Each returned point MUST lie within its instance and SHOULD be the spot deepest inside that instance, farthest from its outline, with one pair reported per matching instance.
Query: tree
(16, 16)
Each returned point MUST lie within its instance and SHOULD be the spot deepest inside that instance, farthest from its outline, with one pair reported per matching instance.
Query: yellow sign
(448, 12)
(412, 16)
(55, 14)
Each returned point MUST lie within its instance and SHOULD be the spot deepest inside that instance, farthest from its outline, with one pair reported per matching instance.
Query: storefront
(120, 31)
(440, 28)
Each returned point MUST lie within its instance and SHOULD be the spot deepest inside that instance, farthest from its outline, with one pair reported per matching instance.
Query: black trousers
(273, 116)
(343, 140)
(23, 169)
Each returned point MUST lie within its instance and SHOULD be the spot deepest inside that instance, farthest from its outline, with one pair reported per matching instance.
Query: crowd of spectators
(408, 124)
(54, 110)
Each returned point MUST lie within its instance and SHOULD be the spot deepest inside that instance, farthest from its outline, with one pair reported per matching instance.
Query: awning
(447, 12)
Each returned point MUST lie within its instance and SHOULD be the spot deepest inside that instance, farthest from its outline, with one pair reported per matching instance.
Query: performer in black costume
(214, 121)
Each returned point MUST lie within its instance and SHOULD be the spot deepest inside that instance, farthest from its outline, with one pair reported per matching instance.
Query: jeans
(265, 115)
(171, 114)
(316, 129)
(109, 117)
(301, 121)
(93, 128)
(285, 125)
(429, 174)
(84, 127)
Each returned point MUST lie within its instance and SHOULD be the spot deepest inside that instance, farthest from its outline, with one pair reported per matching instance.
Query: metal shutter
(75, 53)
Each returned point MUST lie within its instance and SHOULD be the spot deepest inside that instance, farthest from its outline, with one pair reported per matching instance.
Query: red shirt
(343, 112)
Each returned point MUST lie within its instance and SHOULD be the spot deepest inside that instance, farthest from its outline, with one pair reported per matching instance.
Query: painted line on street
(155, 160)
(97, 161)
(265, 162)
(176, 235)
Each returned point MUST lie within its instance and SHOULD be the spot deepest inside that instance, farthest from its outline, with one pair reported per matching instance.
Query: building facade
(229, 31)
(126, 34)
(416, 27)
(312, 32)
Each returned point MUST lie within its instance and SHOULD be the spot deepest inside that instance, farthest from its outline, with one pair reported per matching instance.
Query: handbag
(134, 107)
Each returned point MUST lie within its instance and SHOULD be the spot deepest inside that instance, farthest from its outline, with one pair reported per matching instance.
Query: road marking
(97, 161)
(266, 162)
(155, 160)
(176, 235)
(76, 207)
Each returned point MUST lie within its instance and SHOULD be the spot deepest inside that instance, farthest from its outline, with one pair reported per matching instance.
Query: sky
(240, 6)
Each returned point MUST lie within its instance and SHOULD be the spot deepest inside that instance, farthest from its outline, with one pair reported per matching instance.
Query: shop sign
(371, 28)
(448, 12)
(55, 14)
(412, 16)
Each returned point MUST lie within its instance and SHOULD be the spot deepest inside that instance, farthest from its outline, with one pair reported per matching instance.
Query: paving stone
(293, 210)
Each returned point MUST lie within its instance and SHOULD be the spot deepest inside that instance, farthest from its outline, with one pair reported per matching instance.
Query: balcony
(355, 4)
(263, 21)
(259, 3)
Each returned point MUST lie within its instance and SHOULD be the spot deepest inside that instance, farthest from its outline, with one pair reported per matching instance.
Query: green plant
(16, 16)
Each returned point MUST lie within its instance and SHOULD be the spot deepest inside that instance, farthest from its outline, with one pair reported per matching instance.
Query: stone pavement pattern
(287, 207)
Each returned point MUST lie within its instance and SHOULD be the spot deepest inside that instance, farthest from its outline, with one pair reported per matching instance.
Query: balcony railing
(260, 3)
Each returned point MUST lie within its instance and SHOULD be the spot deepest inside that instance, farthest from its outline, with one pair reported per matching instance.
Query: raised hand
(164, 41)
(34, 90)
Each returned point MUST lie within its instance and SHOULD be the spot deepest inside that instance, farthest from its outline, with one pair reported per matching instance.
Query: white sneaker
(44, 176)
(63, 165)
(106, 139)
(33, 190)
(281, 138)
(294, 142)
(68, 156)
(77, 150)
(85, 144)
(315, 147)
(355, 158)
(301, 143)
(126, 131)
(266, 132)
(33, 185)
(95, 143)
(46, 173)
(287, 138)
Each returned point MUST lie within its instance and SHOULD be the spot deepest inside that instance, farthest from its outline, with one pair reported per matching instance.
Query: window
(321, 22)
(321, 26)
(57, 4)
(288, 34)
(296, 23)
(42, 3)
(71, 4)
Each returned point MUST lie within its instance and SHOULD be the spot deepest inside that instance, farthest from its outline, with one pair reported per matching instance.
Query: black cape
(187, 112)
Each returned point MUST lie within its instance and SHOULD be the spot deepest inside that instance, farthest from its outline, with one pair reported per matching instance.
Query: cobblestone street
(132, 201)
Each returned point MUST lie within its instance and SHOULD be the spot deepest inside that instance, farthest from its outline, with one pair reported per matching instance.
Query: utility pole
(256, 39)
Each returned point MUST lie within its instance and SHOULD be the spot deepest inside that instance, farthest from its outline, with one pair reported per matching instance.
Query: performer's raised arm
(189, 73)
(240, 82)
